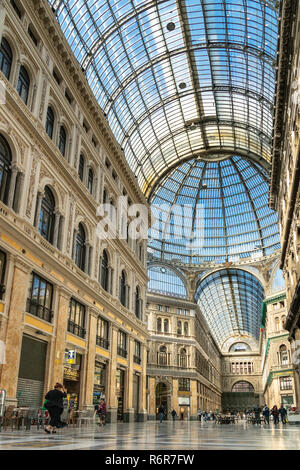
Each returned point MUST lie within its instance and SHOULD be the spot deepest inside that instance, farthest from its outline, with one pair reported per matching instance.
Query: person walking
(161, 413)
(266, 414)
(55, 405)
(174, 414)
(101, 411)
(199, 414)
(257, 414)
(282, 412)
(275, 414)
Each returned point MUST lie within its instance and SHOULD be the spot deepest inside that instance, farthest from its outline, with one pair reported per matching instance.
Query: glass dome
(213, 212)
(230, 300)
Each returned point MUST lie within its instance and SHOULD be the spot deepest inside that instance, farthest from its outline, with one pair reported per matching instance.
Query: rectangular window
(68, 97)
(16, 8)
(137, 352)
(56, 77)
(39, 301)
(122, 344)
(184, 385)
(76, 322)
(31, 34)
(286, 383)
(102, 333)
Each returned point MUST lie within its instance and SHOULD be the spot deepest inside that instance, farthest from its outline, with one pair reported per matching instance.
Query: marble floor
(153, 436)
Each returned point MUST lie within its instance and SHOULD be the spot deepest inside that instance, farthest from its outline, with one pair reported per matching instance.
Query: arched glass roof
(278, 281)
(163, 280)
(177, 78)
(230, 301)
(213, 212)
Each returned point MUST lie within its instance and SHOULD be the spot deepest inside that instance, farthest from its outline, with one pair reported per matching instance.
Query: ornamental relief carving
(43, 98)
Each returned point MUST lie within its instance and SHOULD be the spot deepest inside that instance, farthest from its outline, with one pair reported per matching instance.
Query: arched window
(166, 326)
(23, 84)
(80, 248)
(163, 356)
(123, 289)
(283, 320)
(81, 167)
(182, 359)
(90, 181)
(104, 196)
(104, 271)
(277, 324)
(284, 356)
(158, 324)
(47, 216)
(179, 328)
(242, 387)
(186, 328)
(5, 172)
(62, 143)
(137, 302)
(50, 122)
(6, 58)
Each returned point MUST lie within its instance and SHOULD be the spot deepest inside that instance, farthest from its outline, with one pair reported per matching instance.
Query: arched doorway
(163, 398)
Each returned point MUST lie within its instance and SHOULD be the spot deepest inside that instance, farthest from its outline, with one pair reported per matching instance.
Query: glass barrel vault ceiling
(206, 85)
(224, 217)
(231, 303)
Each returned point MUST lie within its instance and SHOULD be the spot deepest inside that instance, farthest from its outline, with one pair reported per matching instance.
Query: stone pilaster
(142, 416)
(15, 325)
(175, 396)
(111, 379)
(90, 363)
(59, 343)
(193, 398)
(12, 185)
(2, 17)
(152, 399)
(129, 410)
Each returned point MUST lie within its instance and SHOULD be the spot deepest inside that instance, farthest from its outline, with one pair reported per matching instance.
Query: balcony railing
(39, 310)
(122, 352)
(102, 342)
(75, 329)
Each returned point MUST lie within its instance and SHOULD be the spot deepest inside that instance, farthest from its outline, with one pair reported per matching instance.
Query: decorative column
(174, 398)
(152, 399)
(15, 325)
(129, 410)
(111, 399)
(142, 416)
(12, 185)
(90, 363)
(59, 341)
(193, 398)
(60, 232)
(56, 227)
(19, 191)
(40, 196)
(74, 244)
(87, 257)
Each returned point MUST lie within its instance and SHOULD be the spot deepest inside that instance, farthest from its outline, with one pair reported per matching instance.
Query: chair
(10, 416)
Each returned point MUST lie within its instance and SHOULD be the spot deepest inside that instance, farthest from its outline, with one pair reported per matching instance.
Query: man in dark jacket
(161, 413)
(55, 406)
(282, 412)
(257, 414)
(266, 414)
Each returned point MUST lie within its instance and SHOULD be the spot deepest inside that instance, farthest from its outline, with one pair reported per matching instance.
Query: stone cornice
(46, 22)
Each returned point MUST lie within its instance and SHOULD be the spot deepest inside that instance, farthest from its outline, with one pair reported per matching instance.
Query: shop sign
(71, 356)
(71, 374)
(184, 401)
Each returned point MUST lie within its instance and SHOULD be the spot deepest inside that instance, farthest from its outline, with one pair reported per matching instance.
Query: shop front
(72, 376)
(184, 407)
(30, 389)
(120, 390)
(99, 382)
(136, 394)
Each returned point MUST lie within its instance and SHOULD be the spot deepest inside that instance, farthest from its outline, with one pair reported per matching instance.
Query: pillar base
(112, 415)
(142, 416)
(11, 401)
(129, 416)
(193, 418)
(151, 417)
(88, 407)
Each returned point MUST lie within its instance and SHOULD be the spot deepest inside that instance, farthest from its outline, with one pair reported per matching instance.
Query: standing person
(101, 411)
(266, 414)
(55, 406)
(257, 414)
(275, 414)
(161, 413)
(174, 414)
(282, 412)
(199, 414)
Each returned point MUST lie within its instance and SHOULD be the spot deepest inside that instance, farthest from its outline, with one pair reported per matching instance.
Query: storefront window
(72, 376)
(99, 381)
